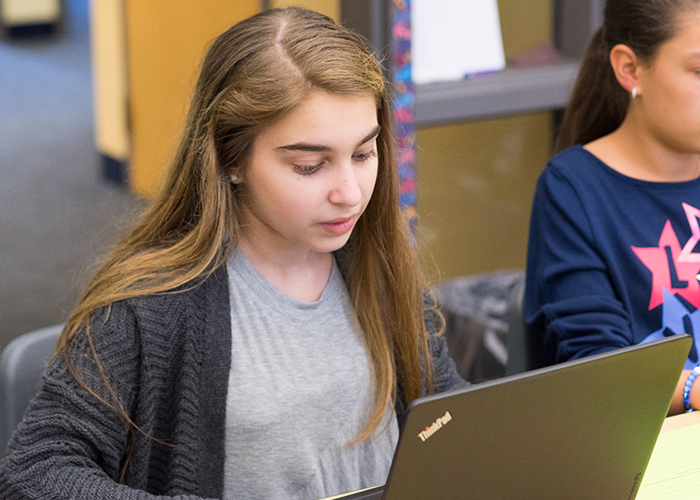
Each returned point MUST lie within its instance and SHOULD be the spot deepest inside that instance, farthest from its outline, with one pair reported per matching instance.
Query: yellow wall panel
(331, 8)
(474, 192)
(525, 24)
(166, 42)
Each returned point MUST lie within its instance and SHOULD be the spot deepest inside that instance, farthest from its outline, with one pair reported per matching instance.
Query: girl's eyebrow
(317, 148)
(374, 133)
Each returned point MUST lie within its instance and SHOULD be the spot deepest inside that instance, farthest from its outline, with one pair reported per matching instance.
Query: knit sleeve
(569, 295)
(69, 444)
(445, 375)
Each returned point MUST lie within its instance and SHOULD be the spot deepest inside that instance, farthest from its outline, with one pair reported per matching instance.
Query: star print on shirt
(676, 318)
(669, 271)
(687, 254)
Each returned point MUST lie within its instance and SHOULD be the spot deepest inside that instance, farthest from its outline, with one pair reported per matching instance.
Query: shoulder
(198, 294)
(572, 178)
(572, 156)
(574, 165)
(158, 318)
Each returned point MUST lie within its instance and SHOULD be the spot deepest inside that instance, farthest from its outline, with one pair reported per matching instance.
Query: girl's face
(311, 175)
(670, 89)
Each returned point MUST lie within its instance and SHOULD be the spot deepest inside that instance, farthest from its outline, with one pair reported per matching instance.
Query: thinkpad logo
(436, 426)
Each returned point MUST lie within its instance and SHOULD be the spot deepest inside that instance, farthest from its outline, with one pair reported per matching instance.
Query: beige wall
(109, 77)
(476, 180)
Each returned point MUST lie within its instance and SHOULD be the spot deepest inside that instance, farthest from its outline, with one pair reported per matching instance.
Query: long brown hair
(254, 74)
(598, 104)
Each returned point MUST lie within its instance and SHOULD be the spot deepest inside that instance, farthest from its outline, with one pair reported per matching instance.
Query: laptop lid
(581, 428)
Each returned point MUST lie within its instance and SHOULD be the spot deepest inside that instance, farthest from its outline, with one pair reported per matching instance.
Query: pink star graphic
(687, 254)
(668, 271)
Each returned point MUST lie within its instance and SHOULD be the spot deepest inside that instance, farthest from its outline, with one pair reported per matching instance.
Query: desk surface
(674, 468)
(680, 421)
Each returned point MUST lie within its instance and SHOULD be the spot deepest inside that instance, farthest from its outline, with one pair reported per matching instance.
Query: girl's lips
(339, 226)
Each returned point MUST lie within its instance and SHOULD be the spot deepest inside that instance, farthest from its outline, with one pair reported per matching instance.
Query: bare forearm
(677, 403)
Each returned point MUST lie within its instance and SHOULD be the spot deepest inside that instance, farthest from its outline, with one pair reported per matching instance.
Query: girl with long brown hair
(261, 329)
(613, 258)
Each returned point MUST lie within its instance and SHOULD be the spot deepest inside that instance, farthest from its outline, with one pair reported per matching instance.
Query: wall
(145, 61)
(109, 76)
(166, 41)
(331, 8)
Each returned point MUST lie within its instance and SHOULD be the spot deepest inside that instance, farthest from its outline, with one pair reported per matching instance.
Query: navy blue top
(612, 261)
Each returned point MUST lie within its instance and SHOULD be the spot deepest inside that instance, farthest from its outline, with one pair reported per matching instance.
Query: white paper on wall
(451, 39)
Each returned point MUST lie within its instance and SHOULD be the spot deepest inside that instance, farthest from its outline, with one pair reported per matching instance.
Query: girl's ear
(626, 66)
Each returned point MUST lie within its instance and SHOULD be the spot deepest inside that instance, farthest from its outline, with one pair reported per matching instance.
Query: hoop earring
(634, 92)
(233, 177)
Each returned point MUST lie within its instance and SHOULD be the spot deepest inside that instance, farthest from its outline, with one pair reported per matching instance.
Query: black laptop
(582, 429)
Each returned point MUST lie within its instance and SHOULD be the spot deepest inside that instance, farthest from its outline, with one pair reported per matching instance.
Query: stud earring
(634, 92)
(233, 177)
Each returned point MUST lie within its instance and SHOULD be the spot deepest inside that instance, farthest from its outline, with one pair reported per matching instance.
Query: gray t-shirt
(299, 392)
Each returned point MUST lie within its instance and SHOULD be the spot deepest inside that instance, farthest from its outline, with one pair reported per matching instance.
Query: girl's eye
(307, 169)
(365, 156)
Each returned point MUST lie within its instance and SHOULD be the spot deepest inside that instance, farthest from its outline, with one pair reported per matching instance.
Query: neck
(299, 274)
(635, 151)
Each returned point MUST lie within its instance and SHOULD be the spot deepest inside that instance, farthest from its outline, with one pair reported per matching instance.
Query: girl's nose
(346, 187)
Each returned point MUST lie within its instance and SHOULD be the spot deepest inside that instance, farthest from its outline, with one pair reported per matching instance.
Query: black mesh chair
(525, 346)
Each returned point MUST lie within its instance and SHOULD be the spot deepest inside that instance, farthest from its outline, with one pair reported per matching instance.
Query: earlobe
(235, 178)
(626, 66)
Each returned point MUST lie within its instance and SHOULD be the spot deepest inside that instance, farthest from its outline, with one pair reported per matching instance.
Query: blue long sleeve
(601, 252)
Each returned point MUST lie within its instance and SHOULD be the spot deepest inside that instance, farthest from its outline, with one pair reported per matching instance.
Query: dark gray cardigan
(167, 357)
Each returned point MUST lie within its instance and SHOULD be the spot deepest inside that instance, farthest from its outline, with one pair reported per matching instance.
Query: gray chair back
(21, 365)
(525, 345)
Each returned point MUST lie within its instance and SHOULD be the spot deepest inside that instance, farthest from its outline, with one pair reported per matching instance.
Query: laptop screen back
(583, 428)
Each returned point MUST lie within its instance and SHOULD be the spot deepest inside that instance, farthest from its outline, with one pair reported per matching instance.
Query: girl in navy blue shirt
(614, 252)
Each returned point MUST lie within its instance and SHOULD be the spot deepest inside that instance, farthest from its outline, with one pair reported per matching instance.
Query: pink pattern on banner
(404, 115)
(404, 100)
(407, 156)
(407, 186)
(402, 31)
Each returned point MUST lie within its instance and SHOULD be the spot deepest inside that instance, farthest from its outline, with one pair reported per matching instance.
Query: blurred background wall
(57, 214)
